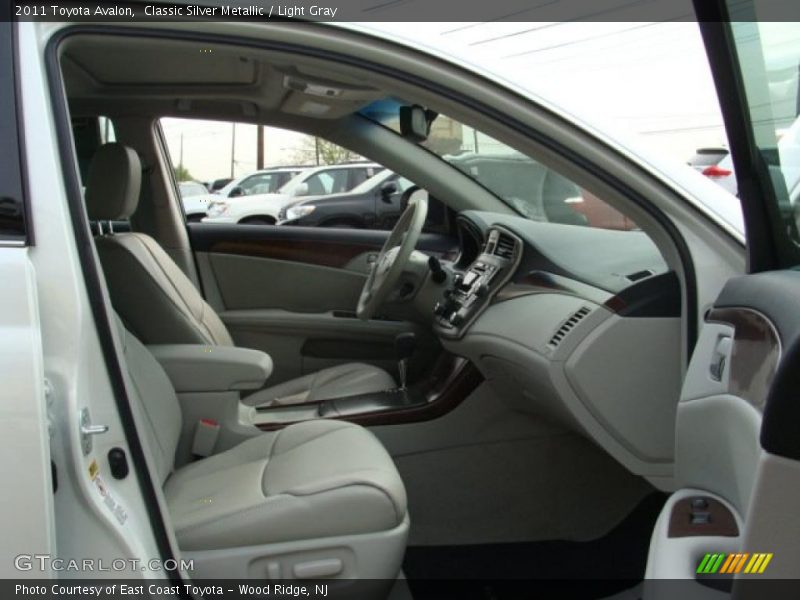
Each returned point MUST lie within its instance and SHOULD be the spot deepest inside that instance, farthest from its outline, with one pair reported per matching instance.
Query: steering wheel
(395, 254)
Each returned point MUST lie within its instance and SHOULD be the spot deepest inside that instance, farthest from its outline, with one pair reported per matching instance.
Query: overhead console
(473, 290)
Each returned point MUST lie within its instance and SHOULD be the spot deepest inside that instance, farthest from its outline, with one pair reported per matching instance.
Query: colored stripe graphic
(740, 563)
(728, 563)
(720, 562)
(763, 566)
(701, 568)
(755, 562)
(711, 563)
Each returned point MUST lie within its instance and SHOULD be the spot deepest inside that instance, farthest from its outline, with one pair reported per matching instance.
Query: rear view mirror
(301, 190)
(415, 122)
(388, 189)
(236, 192)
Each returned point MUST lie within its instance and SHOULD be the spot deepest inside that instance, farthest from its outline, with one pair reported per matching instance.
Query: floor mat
(593, 569)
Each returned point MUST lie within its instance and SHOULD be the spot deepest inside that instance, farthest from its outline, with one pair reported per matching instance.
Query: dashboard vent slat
(504, 248)
(568, 326)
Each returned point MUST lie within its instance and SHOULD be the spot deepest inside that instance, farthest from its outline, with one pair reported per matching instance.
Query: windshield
(530, 188)
(192, 189)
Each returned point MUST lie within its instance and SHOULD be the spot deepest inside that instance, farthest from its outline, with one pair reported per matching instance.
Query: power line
(581, 41)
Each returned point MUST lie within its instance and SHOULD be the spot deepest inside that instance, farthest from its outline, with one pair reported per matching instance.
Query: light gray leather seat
(159, 303)
(315, 480)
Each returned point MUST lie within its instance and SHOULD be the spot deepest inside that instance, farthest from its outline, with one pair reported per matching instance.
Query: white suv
(263, 209)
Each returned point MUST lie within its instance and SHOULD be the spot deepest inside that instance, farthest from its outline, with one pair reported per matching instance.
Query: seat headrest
(112, 187)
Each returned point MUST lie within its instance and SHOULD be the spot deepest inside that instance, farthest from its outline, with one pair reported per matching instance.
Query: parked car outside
(263, 181)
(374, 204)
(717, 165)
(263, 209)
(785, 159)
(195, 199)
(217, 184)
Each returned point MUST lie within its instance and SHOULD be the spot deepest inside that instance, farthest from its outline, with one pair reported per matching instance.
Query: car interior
(501, 398)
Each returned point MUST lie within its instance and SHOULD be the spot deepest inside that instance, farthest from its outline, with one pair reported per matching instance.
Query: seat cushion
(311, 480)
(350, 379)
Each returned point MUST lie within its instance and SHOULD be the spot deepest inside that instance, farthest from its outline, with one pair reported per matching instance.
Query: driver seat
(160, 305)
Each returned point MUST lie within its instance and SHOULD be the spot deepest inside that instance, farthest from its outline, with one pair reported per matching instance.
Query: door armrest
(200, 368)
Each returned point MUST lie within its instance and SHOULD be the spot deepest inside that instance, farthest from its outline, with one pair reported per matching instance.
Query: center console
(473, 290)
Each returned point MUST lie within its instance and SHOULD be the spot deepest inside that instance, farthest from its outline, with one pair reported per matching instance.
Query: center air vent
(568, 326)
(504, 248)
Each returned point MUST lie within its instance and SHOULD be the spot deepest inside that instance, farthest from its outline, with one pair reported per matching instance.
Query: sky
(649, 81)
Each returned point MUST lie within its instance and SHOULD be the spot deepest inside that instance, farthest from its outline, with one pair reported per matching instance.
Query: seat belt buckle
(205, 437)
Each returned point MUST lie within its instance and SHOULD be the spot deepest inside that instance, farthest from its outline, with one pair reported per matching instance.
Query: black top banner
(395, 10)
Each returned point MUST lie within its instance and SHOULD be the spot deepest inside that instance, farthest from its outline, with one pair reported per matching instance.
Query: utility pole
(316, 148)
(233, 146)
(180, 161)
(260, 147)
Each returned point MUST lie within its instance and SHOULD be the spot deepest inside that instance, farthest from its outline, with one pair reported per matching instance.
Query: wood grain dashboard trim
(316, 252)
(755, 353)
(445, 394)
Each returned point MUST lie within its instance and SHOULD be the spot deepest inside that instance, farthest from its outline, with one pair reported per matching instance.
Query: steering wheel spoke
(395, 255)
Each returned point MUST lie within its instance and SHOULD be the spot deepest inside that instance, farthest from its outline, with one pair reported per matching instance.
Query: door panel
(292, 292)
(247, 282)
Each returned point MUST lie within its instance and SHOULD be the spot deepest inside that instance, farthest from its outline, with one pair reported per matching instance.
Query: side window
(320, 184)
(359, 176)
(89, 134)
(340, 182)
(303, 172)
(257, 184)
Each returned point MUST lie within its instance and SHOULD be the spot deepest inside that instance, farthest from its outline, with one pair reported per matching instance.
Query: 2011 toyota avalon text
(475, 346)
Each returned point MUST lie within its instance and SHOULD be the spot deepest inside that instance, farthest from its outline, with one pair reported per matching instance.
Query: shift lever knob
(404, 346)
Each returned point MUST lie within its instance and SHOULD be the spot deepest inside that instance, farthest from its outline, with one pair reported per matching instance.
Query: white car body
(59, 358)
(265, 208)
(195, 198)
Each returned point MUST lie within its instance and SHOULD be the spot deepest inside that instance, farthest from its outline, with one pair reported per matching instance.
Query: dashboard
(548, 312)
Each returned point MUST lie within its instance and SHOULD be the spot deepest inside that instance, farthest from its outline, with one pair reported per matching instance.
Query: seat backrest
(154, 298)
(155, 402)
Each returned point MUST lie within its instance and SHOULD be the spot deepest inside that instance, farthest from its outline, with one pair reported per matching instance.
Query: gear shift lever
(404, 346)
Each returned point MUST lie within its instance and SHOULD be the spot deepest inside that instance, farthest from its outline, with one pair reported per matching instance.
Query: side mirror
(301, 190)
(387, 190)
(236, 192)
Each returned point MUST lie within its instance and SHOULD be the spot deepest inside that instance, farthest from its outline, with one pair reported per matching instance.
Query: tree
(182, 173)
(316, 150)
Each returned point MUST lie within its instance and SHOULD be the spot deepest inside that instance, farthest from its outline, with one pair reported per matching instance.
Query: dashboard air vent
(504, 248)
(568, 326)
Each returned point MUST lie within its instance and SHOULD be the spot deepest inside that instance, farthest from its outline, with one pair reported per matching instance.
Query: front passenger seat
(319, 498)
(160, 305)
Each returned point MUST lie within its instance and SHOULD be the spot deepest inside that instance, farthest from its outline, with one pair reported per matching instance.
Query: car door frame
(765, 250)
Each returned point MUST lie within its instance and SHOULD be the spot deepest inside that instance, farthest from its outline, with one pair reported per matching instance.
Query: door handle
(719, 358)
